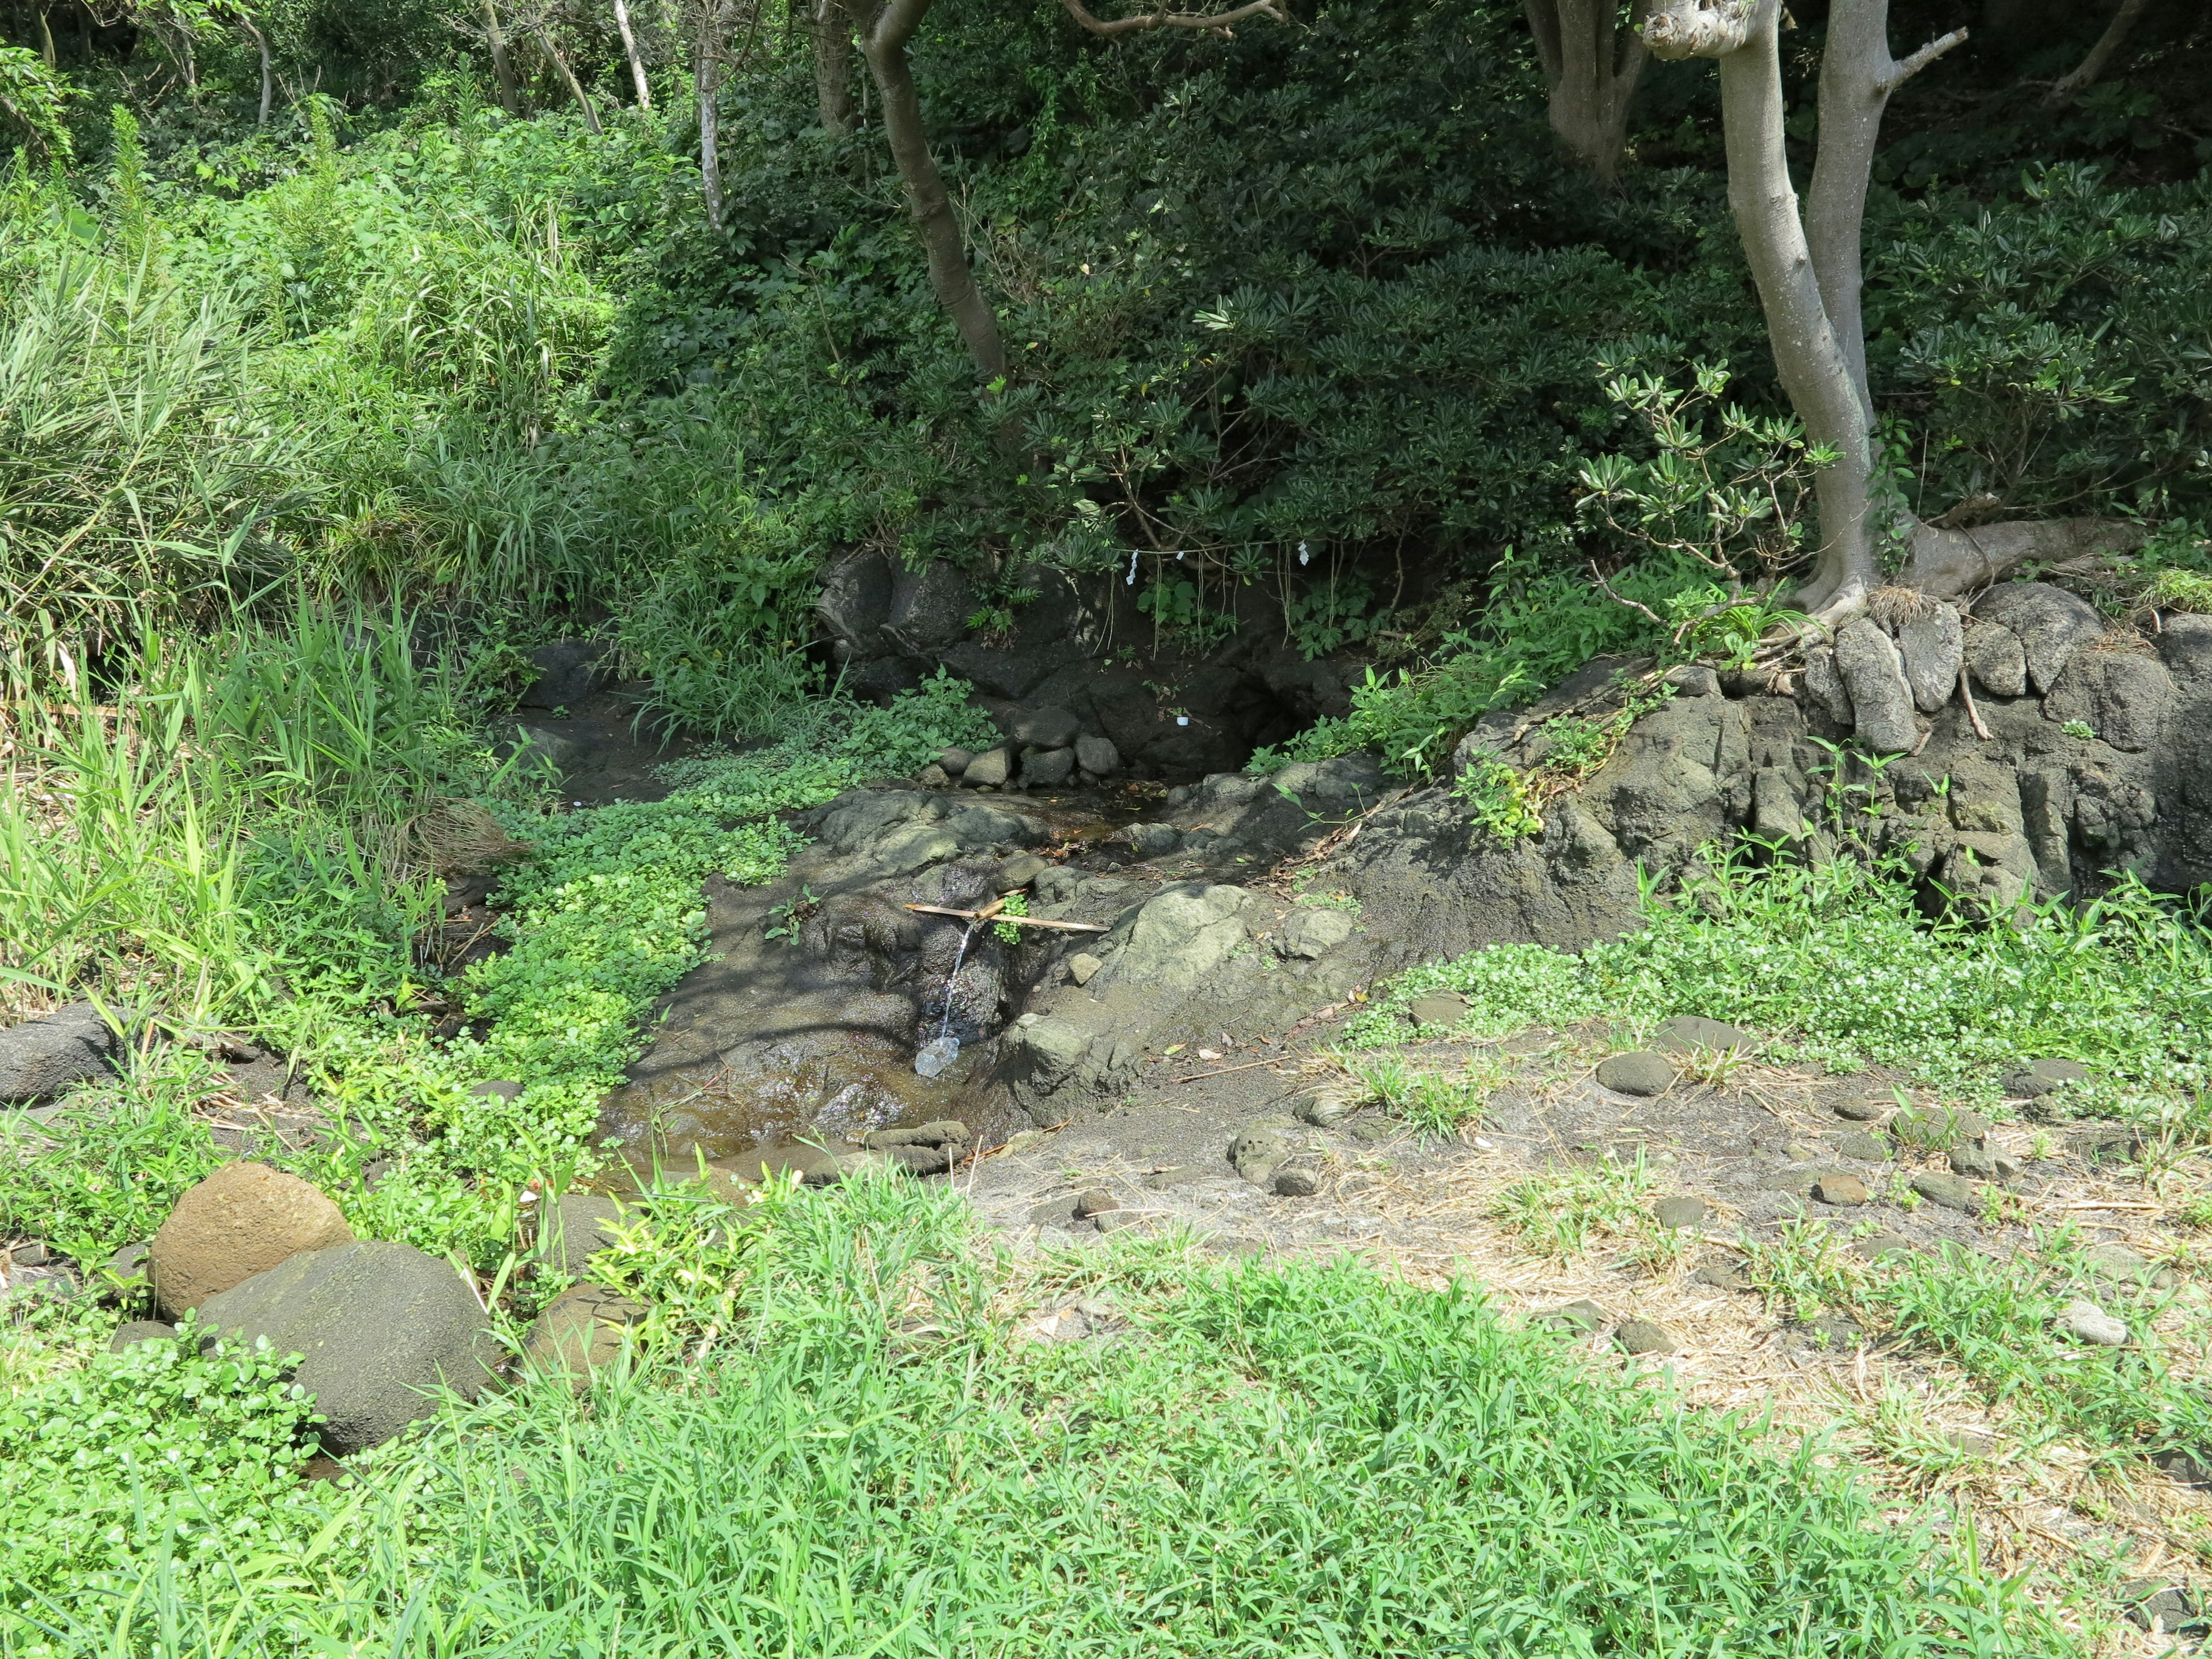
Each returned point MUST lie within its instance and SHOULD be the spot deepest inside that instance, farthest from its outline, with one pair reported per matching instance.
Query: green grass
(1312, 1460)
(1840, 965)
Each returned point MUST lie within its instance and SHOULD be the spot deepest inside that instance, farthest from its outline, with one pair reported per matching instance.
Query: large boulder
(1182, 933)
(379, 1328)
(41, 1058)
(1932, 646)
(566, 671)
(241, 1220)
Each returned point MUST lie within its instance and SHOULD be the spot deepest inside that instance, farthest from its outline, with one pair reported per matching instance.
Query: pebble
(1324, 1109)
(2159, 1606)
(1372, 1129)
(2085, 1322)
(2040, 1077)
(1641, 1336)
(2119, 1261)
(141, 1330)
(1977, 1162)
(1295, 1183)
(1686, 1032)
(1838, 1188)
(1975, 1443)
(1832, 1331)
(1884, 1245)
(1937, 1128)
(1682, 1212)
(1640, 1072)
(1868, 1149)
(1796, 1181)
(1181, 1175)
(1862, 1109)
(1095, 1200)
(1108, 1221)
(1083, 966)
(1949, 1191)
(1257, 1155)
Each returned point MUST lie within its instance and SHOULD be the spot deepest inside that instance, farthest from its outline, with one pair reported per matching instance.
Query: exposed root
(1946, 563)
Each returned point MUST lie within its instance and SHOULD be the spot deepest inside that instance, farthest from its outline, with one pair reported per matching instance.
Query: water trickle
(937, 1054)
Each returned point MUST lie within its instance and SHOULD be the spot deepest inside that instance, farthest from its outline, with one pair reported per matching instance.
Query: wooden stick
(1195, 1076)
(993, 914)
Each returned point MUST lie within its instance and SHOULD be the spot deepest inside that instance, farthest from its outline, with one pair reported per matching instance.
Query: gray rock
(1635, 1072)
(1048, 1050)
(1721, 1276)
(1098, 756)
(1826, 685)
(1044, 728)
(1861, 1109)
(1181, 935)
(1874, 673)
(131, 1335)
(1693, 1033)
(41, 1058)
(1951, 1191)
(1354, 778)
(1095, 1200)
(1083, 966)
(1256, 1155)
(1584, 1317)
(1641, 1336)
(376, 1324)
(1311, 931)
(2185, 646)
(1444, 1008)
(2042, 1077)
(1017, 872)
(128, 1268)
(2085, 1322)
(582, 1225)
(1832, 1331)
(1152, 841)
(993, 767)
(2105, 1143)
(1994, 658)
(933, 777)
(954, 761)
(1693, 679)
(580, 1331)
(1682, 1212)
(1868, 1149)
(1936, 1128)
(2160, 1606)
(1975, 1162)
(1112, 1221)
(1161, 1181)
(943, 1132)
(1048, 768)
(1798, 1182)
(496, 1089)
(1883, 1245)
(1295, 1183)
(535, 744)
(2119, 1263)
(1325, 1108)
(1844, 1191)
(567, 672)
(2052, 624)
(1932, 647)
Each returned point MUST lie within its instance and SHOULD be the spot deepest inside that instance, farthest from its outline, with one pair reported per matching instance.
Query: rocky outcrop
(379, 1328)
(2099, 761)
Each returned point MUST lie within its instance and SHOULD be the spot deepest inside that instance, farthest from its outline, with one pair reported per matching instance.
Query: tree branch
(1544, 25)
(896, 22)
(1900, 73)
(2115, 36)
(1216, 22)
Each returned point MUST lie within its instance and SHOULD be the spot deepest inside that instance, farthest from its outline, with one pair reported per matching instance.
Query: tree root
(1946, 563)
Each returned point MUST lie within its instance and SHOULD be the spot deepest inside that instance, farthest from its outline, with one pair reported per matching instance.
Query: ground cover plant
(1269, 1458)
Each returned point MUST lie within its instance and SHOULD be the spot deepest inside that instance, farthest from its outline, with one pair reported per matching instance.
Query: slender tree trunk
(884, 39)
(268, 70)
(833, 61)
(46, 37)
(502, 68)
(636, 64)
(707, 87)
(575, 87)
(1591, 65)
(2084, 75)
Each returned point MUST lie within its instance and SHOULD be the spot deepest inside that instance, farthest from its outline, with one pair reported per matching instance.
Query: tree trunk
(636, 64)
(502, 70)
(575, 87)
(1591, 65)
(707, 87)
(884, 39)
(833, 60)
(2071, 85)
(268, 75)
(46, 37)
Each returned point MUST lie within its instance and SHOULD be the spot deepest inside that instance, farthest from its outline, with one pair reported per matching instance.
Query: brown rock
(1096, 1201)
(1838, 1188)
(242, 1220)
(579, 1331)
